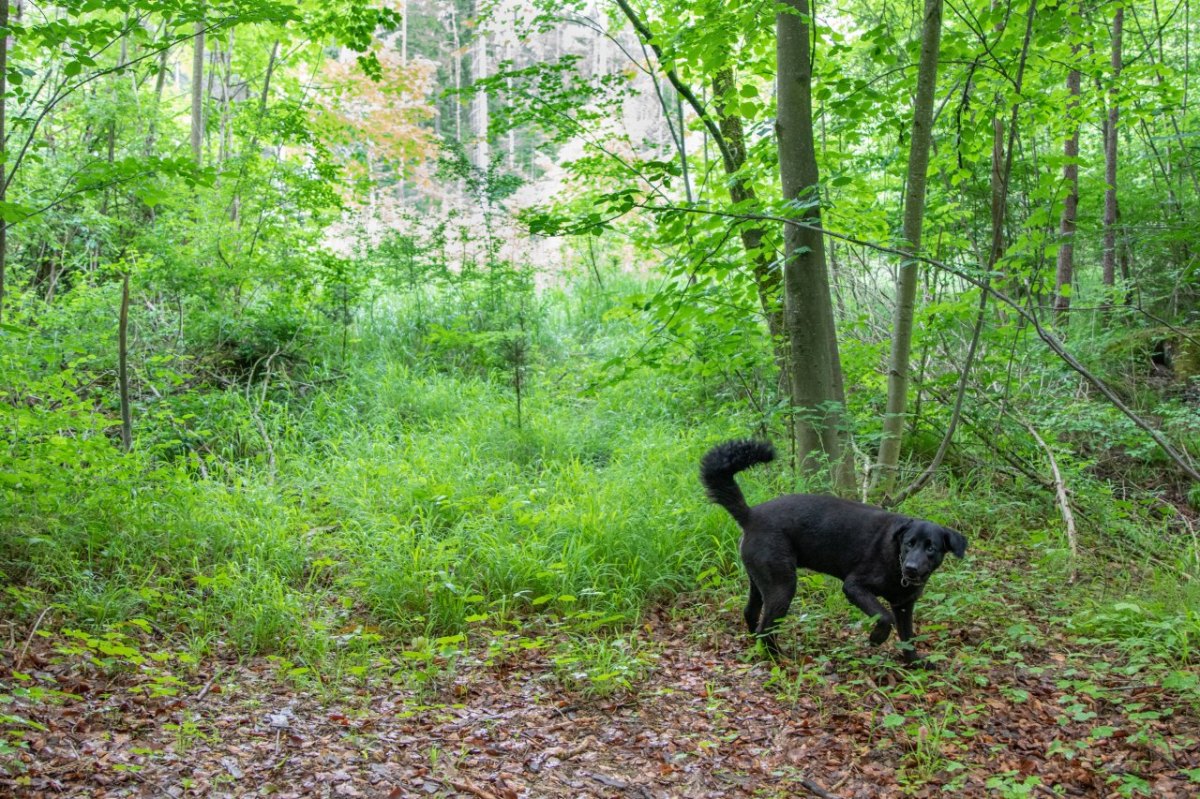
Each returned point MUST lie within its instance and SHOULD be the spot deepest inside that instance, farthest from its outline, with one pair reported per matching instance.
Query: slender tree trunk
(159, 83)
(225, 139)
(265, 95)
(884, 478)
(1066, 229)
(123, 368)
(457, 74)
(683, 161)
(1110, 156)
(3, 150)
(111, 144)
(404, 32)
(766, 277)
(479, 115)
(197, 137)
(816, 367)
(728, 134)
(999, 185)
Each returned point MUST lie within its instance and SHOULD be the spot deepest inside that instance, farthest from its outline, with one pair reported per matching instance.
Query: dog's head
(922, 545)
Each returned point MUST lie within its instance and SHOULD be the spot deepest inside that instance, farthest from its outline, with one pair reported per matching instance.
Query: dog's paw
(883, 629)
(913, 660)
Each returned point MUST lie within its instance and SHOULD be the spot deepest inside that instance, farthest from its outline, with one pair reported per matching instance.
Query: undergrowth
(340, 511)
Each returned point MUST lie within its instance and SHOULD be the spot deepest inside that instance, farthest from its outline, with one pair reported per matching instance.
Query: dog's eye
(929, 547)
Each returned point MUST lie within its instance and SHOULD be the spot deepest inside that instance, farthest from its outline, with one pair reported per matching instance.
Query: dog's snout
(913, 570)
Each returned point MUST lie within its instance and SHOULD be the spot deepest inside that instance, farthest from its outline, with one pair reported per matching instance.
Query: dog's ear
(899, 527)
(954, 541)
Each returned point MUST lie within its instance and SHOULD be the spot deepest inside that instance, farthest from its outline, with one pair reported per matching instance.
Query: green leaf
(14, 212)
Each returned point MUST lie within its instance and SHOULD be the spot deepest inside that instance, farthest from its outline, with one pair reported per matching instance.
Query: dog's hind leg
(753, 608)
(777, 594)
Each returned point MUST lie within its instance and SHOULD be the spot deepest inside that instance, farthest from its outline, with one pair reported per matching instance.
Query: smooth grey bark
(197, 137)
(479, 101)
(884, 477)
(808, 307)
(453, 19)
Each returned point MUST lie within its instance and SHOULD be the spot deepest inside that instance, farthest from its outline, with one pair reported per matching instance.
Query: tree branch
(687, 94)
(1060, 491)
(984, 284)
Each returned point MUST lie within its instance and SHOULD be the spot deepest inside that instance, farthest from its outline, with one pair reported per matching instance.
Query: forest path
(699, 724)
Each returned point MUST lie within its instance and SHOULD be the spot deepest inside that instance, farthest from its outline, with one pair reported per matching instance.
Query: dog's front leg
(863, 599)
(904, 629)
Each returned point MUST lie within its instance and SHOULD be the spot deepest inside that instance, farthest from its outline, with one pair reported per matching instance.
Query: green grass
(395, 499)
(398, 498)
(385, 523)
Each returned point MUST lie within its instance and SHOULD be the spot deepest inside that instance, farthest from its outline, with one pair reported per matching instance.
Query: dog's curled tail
(722, 462)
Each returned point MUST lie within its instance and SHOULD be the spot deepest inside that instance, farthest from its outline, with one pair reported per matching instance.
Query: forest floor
(707, 717)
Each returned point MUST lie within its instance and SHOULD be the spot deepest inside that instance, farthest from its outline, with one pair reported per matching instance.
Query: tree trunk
(808, 309)
(111, 143)
(479, 101)
(1066, 229)
(3, 150)
(1110, 157)
(225, 139)
(884, 478)
(766, 277)
(159, 83)
(123, 367)
(266, 89)
(458, 135)
(729, 135)
(198, 94)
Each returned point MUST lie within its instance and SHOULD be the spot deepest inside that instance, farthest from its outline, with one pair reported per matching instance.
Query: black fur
(873, 552)
(718, 467)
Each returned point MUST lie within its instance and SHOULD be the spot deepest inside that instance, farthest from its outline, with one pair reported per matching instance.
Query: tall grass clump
(272, 503)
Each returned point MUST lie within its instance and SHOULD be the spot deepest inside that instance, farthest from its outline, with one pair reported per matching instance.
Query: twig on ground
(1064, 504)
(207, 687)
(472, 788)
(817, 789)
(29, 639)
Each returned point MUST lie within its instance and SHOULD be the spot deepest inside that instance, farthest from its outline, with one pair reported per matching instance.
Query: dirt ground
(705, 719)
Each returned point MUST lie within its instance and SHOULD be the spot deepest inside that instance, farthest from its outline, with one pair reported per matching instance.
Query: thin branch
(29, 639)
(65, 89)
(1056, 346)
(944, 446)
(648, 37)
(1060, 490)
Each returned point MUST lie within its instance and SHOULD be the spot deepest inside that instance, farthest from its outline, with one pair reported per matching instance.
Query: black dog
(875, 553)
